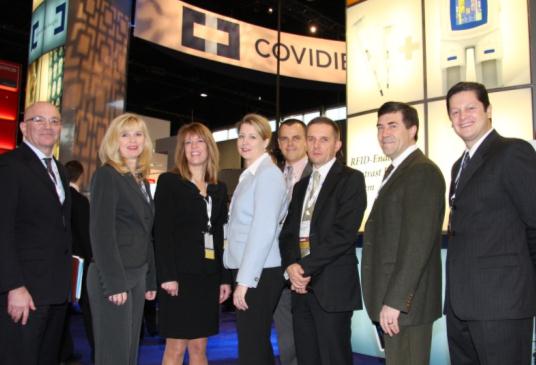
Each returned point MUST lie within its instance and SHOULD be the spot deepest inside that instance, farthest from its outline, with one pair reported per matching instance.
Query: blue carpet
(222, 349)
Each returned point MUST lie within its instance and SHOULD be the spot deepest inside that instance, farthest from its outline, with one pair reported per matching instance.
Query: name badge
(305, 246)
(209, 246)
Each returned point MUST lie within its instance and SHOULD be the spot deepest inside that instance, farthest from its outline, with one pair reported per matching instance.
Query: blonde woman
(122, 274)
(191, 208)
(257, 208)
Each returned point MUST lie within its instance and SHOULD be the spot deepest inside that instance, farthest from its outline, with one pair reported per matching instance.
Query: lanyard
(208, 202)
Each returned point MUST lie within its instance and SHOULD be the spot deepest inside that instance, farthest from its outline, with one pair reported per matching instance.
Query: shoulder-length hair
(181, 163)
(109, 148)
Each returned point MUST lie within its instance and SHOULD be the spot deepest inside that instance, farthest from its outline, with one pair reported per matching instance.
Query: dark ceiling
(166, 84)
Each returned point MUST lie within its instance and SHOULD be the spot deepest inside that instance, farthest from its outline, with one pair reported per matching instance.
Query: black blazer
(180, 220)
(337, 216)
(80, 226)
(490, 273)
(35, 230)
(121, 224)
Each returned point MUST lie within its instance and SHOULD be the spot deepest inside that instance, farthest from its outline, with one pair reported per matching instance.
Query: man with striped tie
(490, 297)
(35, 248)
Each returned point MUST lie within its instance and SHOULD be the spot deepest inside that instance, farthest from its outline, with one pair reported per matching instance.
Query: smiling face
(468, 116)
(292, 143)
(250, 144)
(43, 135)
(195, 149)
(131, 143)
(322, 143)
(393, 136)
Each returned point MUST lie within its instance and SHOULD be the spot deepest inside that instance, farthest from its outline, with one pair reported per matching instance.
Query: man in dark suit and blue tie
(490, 297)
(293, 145)
(35, 248)
(318, 251)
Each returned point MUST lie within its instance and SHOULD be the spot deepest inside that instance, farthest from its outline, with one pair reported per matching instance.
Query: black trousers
(322, 338)
(254, 325)
(491, 342)
(36, 343)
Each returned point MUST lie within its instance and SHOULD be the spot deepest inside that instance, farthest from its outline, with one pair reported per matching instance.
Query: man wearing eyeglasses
(35, 248)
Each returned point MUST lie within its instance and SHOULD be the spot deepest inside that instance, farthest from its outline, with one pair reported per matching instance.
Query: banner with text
(192, 30)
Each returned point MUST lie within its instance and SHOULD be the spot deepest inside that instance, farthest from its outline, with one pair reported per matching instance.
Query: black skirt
(194, 313)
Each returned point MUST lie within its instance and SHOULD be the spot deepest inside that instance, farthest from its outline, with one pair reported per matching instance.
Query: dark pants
(410, 346)
(285, 330)
(38, 342)
(490, 342)
(322, 338)
(116, 327)
(254, 325)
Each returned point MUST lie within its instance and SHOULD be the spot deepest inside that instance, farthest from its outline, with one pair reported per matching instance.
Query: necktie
(311, 200)
(48, 163)
(144, 191)
(463, 165)
(388, 171)
(289, 178)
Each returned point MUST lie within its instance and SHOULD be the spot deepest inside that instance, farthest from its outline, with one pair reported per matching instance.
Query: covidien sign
(188, 29)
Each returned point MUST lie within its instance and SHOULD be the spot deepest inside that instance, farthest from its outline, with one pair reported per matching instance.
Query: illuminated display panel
(467, 14)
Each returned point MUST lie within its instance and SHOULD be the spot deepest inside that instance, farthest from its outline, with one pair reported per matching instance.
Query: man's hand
(150, 294)
(297, 280)
(389, 320)
(19, 303)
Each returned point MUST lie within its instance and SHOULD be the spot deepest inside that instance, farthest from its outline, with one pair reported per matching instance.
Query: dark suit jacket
(180, 220)
(401, 262)
(490, 273)
(35, 243)
(80, 226)
(337, 215)
(121, 224)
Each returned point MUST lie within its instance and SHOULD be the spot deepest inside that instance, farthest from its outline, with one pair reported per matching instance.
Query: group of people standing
(284, 246)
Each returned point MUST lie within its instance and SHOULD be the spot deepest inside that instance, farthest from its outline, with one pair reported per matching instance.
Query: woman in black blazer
(191, 208)
(122, 274)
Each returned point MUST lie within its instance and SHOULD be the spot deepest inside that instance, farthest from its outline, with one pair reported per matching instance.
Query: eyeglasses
(40, 121)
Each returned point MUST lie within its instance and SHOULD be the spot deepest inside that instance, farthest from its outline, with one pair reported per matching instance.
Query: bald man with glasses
(35, 249)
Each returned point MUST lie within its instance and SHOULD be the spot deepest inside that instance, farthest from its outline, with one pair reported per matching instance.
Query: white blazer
(258, 208)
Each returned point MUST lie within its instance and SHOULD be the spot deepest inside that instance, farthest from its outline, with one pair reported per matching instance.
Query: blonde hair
(109, 148)
(181, 163)
(260, 123)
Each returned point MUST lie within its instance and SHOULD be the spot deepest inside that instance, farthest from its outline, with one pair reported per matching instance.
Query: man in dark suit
(317, 245)
(35, 249)
(292, 143)
(491, 284)
(81, 242)
(401, 265)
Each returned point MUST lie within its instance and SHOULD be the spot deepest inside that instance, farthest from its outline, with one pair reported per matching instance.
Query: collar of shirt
(323, 170)
(38, 152)
(252, 169)
(297, 168)
(74, 186)
(408, 151)
(473, 149)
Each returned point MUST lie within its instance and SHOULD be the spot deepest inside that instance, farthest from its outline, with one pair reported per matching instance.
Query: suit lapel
(131, 182)
(307, 170)
(39, 171)
(476, 161)
(325, 190)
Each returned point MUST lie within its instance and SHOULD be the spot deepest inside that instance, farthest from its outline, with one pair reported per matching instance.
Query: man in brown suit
(401, 267)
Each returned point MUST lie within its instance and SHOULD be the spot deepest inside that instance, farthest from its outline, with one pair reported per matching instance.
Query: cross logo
(207, 33)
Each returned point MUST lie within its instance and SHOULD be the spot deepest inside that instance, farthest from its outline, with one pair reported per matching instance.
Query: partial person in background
(318, 250)
(401, 262)
(35, 243)
(257, 208)
(293, 145)
(81, 242)
(490, 294)
(191, 208)
(122, 274)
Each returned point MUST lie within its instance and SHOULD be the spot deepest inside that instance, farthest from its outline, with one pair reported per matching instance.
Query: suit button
(256, 279)
(368, 243)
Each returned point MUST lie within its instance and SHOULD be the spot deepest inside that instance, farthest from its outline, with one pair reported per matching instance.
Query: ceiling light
(312, 29)
(203, 95)
(270, 10)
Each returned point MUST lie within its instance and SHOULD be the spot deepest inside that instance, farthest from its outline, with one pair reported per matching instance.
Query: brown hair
(181, 163)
